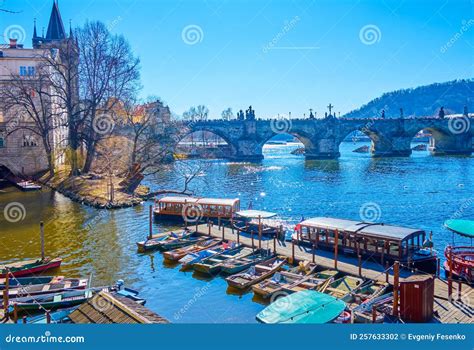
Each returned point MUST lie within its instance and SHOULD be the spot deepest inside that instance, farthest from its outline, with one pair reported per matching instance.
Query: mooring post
(42, 239)
(274, 244)
(259, 232)
(292, 251)
(48, 317)
(374, 314)
(396, 276)
(238, 237)
(251, 234)
(15, 313)
(450, 276)
(209, 227)
(314, 252)
(150, 222)
(459, 289)
(223, 232)
(336, 246)
(438, 271)
(360, 265)
(387, 270)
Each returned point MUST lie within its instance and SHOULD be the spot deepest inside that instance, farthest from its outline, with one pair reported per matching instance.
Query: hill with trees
(421, 101)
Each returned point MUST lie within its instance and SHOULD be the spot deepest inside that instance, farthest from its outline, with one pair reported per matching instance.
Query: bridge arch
(215, 131)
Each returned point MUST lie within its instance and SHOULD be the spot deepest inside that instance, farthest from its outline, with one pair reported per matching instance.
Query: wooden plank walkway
(460, 310)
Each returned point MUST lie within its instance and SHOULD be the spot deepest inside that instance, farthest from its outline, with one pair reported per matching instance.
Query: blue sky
(279, 56)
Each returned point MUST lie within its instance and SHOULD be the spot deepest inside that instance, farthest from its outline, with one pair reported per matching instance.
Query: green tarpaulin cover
(303, 307)
(462, 227)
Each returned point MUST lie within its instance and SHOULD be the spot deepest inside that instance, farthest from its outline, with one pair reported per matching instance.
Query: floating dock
(459, 310)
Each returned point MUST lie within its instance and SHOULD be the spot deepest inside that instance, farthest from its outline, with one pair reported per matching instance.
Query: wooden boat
(59, 316)
(158, 242)
(179, 253)
(257, 273)
(181, 242)
(270, 286)
(303, 307)
(317, 281)
(193, 209)
(67, 299)
(342, 287)
(193, 258)
(28, 281)
(29, 267)
(368, 290)
(375, 240)
(383, 305)
(213, 264)
(239, 264)
(47, 288)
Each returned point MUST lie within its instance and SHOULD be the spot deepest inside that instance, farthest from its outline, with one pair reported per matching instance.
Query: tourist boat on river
(460, 259)
(371, 240)
(256, 273)
(29, 267)
(194, 209)
(307, 306)
(258, 222)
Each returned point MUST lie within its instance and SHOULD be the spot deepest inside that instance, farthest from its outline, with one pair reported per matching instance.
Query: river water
(420, 191)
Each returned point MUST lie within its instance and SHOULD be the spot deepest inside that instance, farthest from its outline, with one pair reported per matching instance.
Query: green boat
(307, 306)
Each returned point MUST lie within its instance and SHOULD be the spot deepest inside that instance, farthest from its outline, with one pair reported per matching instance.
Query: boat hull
(34, 269)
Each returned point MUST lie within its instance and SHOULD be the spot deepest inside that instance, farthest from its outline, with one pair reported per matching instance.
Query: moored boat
(303, 307)
(193, 209)
(29, 267)
(47, 288)
(193, 258)
(342, 287)
(460, 259)
(387, 243)
(239, 264)
(268, 287)
(28, 281)
(213, 265)
(158, 242)
(180, 242)
(179, 253)
(256, 273)
(316, 281)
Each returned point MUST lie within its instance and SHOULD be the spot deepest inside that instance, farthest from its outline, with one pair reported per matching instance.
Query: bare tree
(109, 73)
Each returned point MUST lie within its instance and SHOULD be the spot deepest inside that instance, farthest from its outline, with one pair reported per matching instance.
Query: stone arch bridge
(322, 137)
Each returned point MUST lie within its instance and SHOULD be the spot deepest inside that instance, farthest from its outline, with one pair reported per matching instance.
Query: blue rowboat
(306, 306)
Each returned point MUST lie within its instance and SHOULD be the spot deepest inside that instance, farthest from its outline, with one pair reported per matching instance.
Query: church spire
(35, 35)
(56, 27)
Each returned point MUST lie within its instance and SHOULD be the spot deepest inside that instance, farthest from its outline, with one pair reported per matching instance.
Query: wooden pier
(459, 310)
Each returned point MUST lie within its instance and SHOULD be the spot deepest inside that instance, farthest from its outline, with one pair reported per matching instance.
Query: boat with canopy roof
(194, 209)
(460, 259)
(376, 240)
(263, 223)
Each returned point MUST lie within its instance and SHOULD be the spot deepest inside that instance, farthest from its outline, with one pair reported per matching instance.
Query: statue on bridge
(383, 114)
(250, 114)
(441, 113)
(311, 115)
(240, 115)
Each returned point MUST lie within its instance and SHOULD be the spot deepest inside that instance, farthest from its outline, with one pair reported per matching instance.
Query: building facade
(22, 150)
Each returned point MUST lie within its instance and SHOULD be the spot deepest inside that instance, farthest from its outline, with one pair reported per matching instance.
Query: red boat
(29, 267)
(460, 259)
